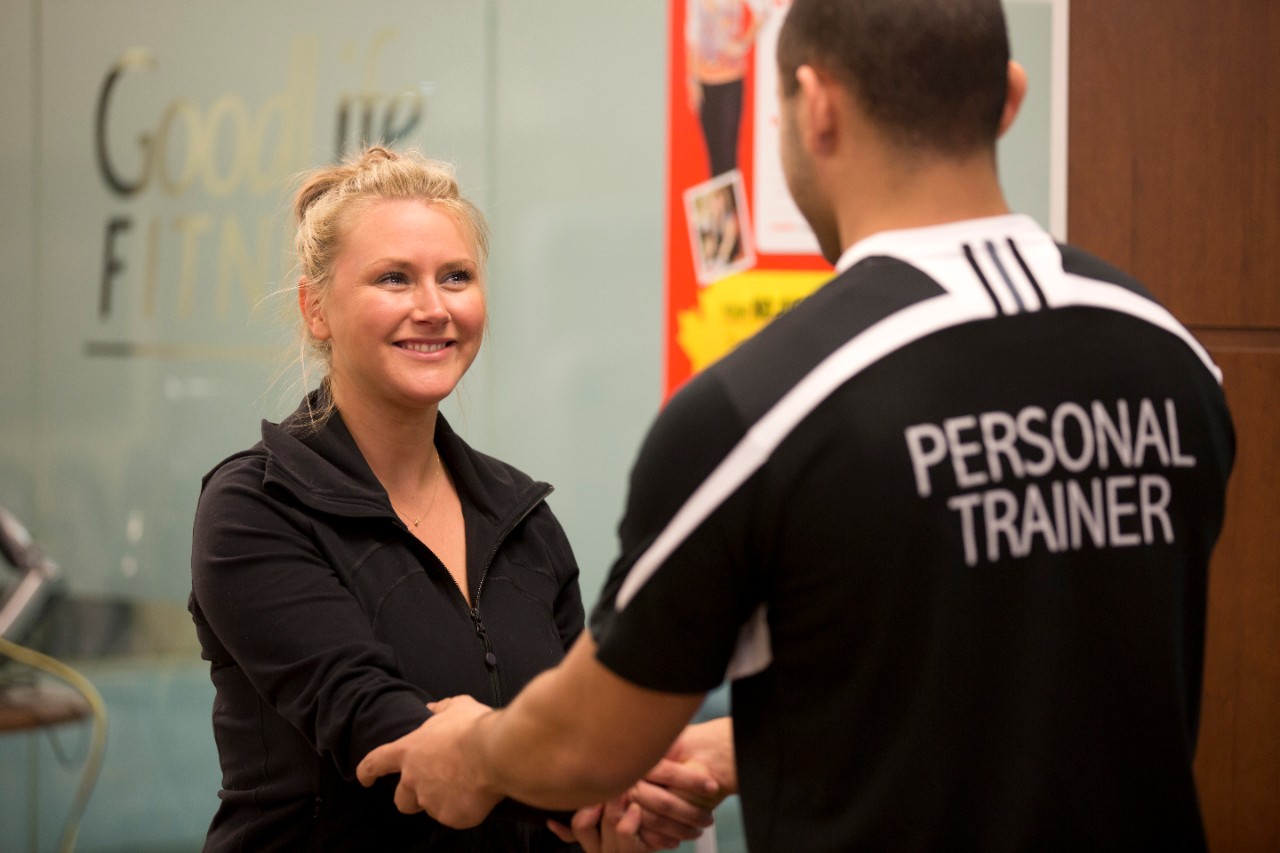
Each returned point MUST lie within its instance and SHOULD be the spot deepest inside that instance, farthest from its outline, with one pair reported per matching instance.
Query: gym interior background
(145, 152)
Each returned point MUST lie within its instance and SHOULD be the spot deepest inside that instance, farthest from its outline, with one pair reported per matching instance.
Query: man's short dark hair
(931, 73)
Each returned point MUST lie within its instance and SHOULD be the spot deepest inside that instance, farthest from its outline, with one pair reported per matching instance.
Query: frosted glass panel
(166, 149)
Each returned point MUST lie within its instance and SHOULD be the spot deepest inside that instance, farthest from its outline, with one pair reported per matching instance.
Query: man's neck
(931, 193)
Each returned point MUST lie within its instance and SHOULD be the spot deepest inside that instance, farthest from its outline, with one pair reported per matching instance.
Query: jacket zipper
(490, 658)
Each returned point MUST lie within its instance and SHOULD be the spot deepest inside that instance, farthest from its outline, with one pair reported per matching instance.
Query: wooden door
(1174, 174)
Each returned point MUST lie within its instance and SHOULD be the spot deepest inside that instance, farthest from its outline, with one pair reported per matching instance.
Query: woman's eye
(459, 277)
(393, 278)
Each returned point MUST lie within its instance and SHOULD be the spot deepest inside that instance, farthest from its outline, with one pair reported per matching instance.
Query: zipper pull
(490, 659)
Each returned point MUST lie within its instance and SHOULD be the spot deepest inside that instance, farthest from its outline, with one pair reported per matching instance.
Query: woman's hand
(673, 803)
(709, 746)
(625, 824)
(612, 827)
(676, 802)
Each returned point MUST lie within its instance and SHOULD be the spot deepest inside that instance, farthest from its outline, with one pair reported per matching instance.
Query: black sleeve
(569, 615)
(678, 632)
(266, 601)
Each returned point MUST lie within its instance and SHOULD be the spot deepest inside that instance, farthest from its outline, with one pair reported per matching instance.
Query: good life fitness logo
(199, 184)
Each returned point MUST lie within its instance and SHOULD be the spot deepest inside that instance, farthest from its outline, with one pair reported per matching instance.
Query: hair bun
(375, 154)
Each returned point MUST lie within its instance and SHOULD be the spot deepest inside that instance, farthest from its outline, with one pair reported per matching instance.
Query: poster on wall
(738, 251)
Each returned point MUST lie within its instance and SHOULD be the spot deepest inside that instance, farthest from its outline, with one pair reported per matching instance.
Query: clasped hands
(440, 773)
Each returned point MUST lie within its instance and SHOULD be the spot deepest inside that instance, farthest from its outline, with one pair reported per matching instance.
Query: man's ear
(818, 109)
(312, 313)
(1017, 90)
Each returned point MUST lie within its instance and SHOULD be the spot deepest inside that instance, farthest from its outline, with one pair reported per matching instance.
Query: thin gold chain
(434, 492)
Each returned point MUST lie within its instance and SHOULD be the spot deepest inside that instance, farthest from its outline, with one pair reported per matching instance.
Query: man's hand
(439, 771)
(576, 734)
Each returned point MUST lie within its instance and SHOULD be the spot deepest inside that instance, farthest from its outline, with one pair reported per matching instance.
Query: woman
(719, 35)
(362, 560)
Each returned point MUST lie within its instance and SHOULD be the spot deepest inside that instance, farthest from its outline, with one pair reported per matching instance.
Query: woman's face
(405, 311)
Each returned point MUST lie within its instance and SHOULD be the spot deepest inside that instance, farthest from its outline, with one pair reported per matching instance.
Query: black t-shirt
(946, 524)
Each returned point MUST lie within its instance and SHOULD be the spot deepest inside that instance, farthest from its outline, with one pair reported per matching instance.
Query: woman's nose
(428, 307)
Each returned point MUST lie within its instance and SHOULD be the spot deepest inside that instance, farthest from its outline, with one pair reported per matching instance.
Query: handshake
(468, 759)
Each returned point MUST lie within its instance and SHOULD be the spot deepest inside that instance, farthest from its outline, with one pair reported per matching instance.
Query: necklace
(440, 468)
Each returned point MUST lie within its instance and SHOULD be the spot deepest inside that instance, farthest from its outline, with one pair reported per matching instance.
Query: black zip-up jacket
(328, 626)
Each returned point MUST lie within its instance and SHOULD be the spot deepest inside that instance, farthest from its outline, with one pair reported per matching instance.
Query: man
(946, 524)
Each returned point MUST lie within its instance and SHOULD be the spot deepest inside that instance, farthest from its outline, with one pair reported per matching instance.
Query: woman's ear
(312, 311)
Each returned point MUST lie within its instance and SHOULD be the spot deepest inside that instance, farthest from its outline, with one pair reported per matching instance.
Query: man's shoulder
(766, 366)
(1077, 261)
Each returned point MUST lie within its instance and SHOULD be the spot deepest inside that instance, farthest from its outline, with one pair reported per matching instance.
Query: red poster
(738, 252)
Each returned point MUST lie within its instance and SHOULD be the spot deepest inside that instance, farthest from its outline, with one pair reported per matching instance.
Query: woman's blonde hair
(330, 198)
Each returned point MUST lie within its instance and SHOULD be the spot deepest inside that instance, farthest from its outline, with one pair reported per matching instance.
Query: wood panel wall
(1174, 174)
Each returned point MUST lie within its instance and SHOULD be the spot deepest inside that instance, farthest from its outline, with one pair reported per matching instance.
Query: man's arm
(576, 735)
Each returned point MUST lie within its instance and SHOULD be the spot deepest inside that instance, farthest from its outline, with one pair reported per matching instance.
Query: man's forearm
(530, 752)
(577, 734)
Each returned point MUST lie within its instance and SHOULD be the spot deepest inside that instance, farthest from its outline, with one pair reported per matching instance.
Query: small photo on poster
(719, 227)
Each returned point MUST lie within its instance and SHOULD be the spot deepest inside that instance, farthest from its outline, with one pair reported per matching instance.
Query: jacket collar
(324, 469)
